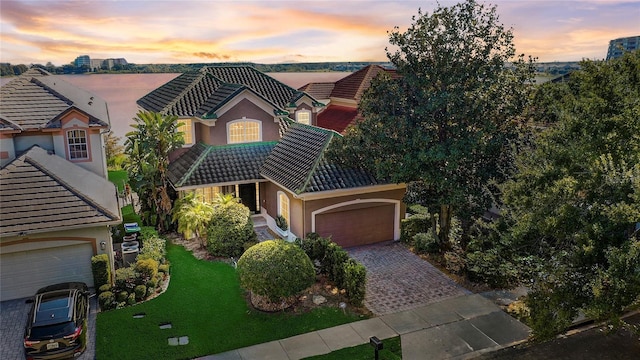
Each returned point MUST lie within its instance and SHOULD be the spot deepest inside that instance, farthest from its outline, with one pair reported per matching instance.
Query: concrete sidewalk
(458, 328)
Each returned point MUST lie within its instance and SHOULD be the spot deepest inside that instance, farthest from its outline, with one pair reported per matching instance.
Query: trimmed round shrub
(147, 268)
(106, 300)
(122, 296)
(103, 288)
(275, 269)
(230, 228)
(140, 291)
(426, 243)
(164, 268)
(153, 282)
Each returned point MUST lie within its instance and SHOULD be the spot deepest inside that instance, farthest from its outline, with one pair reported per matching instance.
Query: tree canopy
(448, 120)
(575, 200)
(148, 147)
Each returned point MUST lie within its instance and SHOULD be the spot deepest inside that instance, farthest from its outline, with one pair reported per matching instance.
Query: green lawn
(118, 177)
(391, 351)
(204, 302)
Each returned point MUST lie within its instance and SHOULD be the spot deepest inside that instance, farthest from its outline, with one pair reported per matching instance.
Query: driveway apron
(398, 280)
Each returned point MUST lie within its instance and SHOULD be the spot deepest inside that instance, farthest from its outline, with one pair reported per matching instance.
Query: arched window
(303, 117)
(283, 206)
(241, 131)
(77, 144)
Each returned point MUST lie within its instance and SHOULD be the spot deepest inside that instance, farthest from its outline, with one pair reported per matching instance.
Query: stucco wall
(217, 135)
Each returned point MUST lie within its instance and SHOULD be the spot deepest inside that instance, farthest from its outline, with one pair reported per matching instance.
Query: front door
(248, 196)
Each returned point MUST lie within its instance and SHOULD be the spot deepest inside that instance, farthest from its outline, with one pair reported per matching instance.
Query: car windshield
(52, 331)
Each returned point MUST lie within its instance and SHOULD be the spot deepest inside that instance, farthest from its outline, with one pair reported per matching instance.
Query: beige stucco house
(251, 135)
(56, 204)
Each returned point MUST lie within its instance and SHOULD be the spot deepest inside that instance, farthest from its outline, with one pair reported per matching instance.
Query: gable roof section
(298, 163)
(201, 93)
(352, 87)
(212, 165)
(36, 100)
(42, 192)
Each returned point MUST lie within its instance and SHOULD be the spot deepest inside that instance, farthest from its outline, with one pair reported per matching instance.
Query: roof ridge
(192, 84)
(84, 198)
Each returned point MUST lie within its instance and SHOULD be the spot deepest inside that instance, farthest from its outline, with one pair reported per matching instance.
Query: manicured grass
(204, 302)
(391, 351)
(118, 177)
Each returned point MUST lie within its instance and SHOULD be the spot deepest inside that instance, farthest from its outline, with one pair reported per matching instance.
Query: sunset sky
(171, 31)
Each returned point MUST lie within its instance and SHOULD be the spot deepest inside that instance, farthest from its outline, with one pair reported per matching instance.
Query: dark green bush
(106, 300)
(354, 281)
(314, 246)
(152, 283)
(131, 299)
(122, 296)
(100, 269)
(140, 292)
(230, 229)
(275, 269)
(426, 243)
(413, 225)
(333, 263)
(490, 267)
(126, 279)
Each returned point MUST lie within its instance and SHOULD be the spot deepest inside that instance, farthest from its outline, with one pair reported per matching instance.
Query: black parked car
(57, 323)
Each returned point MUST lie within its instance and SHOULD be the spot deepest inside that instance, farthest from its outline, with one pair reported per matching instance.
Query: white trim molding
(396, 219)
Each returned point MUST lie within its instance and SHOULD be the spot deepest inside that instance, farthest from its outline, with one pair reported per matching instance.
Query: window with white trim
(303, 117)
(185, 126)
(241, 131)
(283, 206)
(77, 143)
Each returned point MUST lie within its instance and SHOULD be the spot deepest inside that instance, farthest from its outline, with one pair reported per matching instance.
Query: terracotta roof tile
(42, 192)
(319, 90)
(352, 87)
(337, 118)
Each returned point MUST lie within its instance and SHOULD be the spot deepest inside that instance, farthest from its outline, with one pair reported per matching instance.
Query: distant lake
(121, 91)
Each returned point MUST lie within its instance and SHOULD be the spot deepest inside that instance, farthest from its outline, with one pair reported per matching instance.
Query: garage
(358, 226)
(24, 272)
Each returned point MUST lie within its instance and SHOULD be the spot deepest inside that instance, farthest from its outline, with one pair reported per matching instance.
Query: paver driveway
(398, 280)
(13, 314)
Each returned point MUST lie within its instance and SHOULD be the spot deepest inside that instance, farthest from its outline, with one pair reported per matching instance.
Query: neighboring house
(56, 204)
(343, 97)
(278, 167)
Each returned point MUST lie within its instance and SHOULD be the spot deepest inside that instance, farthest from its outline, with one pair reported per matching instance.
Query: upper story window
(303, 117)
(244, 130)
(77, 143)
(185, 126)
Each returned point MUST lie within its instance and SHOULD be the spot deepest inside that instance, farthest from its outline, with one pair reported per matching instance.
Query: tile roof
(42, 192)
(298, 163)
(201, 93)
(337, 118)
(37, 99)
(319, 90)
(210, 165)
(352, 87)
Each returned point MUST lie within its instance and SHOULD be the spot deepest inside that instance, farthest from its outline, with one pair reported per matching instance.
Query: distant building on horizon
(618, 46)
(97, 64)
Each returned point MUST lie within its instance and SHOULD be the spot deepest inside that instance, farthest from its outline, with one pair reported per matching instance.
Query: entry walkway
(450, 329)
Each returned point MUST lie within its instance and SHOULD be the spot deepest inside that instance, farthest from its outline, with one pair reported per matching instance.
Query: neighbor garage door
(23, 273)
(355, 227)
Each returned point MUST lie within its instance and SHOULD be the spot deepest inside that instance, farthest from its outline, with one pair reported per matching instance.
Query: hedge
(101, 270)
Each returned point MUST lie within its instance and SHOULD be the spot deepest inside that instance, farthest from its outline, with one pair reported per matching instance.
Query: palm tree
(193, 215)
(224, 199)
(148, 148)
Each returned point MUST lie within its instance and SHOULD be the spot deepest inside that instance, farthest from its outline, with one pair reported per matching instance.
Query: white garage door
(23, 273)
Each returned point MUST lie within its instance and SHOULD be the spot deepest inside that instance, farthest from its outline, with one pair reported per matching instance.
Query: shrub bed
(334, 262)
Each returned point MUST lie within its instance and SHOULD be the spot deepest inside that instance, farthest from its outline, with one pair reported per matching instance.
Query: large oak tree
(447, 123)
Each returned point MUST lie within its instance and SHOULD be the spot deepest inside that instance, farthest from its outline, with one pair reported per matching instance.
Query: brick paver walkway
(399, 280)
